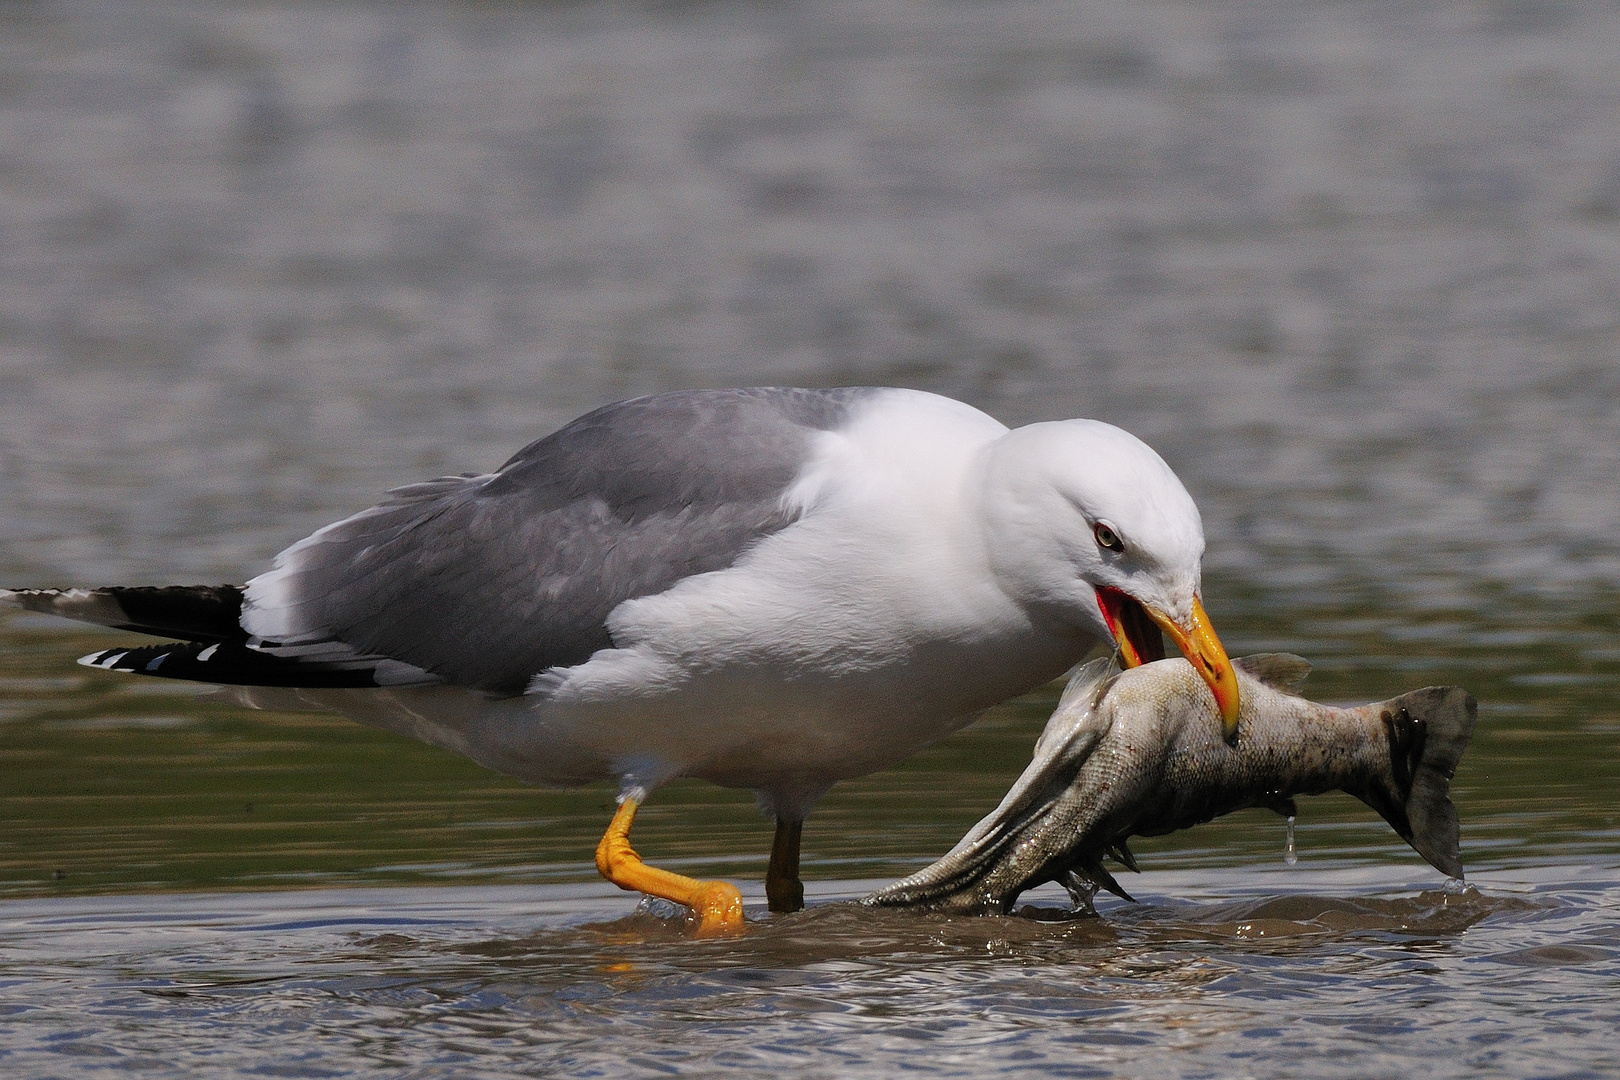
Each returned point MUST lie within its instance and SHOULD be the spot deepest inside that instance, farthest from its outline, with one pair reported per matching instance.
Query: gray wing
(489, 580)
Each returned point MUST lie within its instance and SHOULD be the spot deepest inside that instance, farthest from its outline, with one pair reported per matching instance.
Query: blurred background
(1353, 268)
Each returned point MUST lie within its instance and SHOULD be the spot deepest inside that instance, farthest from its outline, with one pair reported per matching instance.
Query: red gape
(1143, 643)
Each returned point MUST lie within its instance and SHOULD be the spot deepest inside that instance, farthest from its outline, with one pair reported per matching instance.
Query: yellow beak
(1204, 651)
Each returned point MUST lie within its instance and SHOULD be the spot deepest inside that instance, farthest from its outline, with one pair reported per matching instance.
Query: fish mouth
(1138, 630)
(1038, 832)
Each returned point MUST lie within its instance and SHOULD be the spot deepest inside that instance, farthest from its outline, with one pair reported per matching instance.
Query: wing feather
(487, 580)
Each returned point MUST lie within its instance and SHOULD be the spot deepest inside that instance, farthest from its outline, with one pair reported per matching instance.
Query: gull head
(1088, 528)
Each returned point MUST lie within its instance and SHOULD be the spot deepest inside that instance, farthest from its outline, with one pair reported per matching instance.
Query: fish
(1141, 753)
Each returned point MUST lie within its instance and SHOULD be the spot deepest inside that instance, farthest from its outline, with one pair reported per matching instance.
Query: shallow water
(1353, 268)
(1348, 973)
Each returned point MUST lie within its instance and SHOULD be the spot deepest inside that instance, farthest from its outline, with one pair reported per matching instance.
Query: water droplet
(1082, 891)
(659, 908)
(1290, 853)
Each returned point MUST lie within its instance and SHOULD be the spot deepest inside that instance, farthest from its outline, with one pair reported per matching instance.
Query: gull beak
(1130, 622)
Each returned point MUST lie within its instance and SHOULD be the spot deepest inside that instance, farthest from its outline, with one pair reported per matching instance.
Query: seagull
(772, 589)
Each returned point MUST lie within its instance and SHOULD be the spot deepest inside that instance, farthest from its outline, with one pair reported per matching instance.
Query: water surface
(1215, 974)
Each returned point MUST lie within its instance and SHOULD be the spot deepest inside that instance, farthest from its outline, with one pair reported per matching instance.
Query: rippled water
(1218, 974)
(1353, 268)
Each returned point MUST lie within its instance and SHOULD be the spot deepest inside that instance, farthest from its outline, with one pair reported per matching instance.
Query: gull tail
(216, 648)
(1427, 730)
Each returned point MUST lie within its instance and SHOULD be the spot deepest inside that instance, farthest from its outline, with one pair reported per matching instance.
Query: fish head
(1064, 810)
(1095, 779)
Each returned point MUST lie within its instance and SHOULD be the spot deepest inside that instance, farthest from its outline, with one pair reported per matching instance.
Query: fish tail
(1427, 731)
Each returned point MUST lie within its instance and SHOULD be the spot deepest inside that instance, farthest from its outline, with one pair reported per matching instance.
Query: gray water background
(1354, 269)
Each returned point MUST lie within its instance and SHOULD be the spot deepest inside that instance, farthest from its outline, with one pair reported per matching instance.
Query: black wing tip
(228, 664)
(209, 613)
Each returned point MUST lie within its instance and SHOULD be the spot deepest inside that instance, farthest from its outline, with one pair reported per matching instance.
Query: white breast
(839, 645)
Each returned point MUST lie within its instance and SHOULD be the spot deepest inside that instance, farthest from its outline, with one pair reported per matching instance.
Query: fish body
(1141, 753)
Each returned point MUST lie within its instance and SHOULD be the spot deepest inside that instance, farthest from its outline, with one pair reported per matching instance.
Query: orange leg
(717, 905)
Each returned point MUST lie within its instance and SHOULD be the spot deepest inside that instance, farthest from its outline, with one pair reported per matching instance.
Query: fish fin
(1087, 685)
(1283, 670)
(1427, 730)
(1281, 805)
(1092, 869)
(1123, 856)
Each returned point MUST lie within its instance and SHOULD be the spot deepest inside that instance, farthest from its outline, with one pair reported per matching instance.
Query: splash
(1290, 853)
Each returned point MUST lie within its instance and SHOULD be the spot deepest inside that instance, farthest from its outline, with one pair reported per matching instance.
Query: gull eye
(1107, 538)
